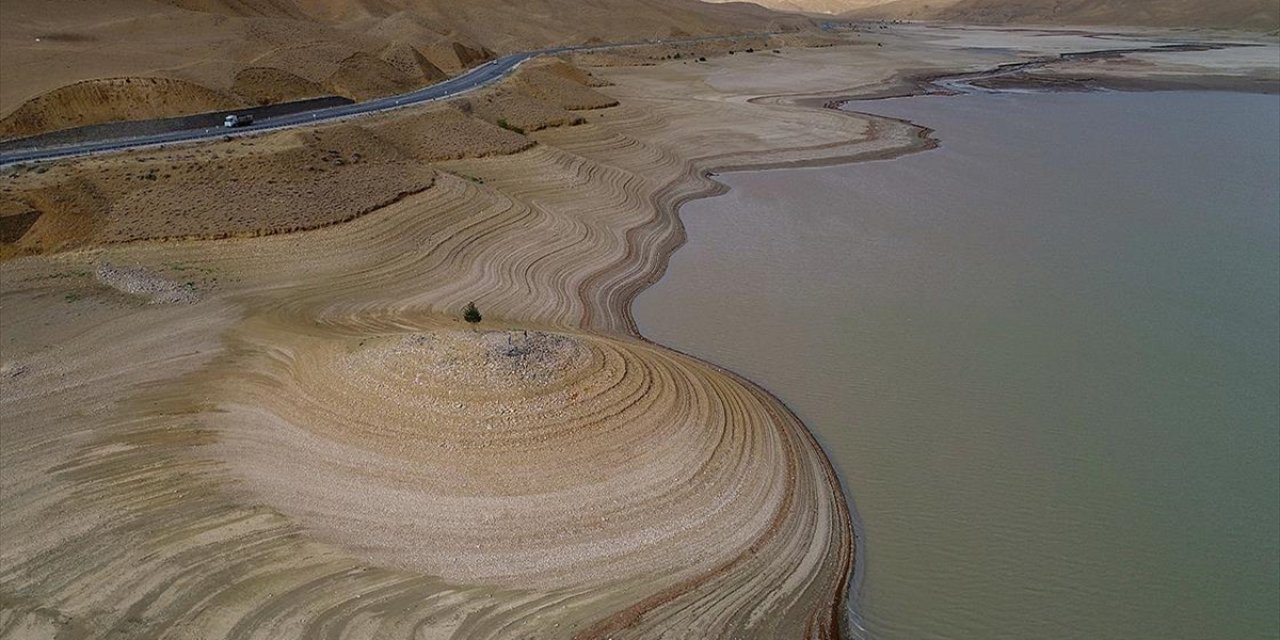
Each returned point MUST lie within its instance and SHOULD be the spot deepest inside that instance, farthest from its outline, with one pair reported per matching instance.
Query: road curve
(478, 77)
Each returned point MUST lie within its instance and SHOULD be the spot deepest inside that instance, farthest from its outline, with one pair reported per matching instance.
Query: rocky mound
(448, 134)
(410, 62)
(243, 187)
(362, 76)
(267, 85)
(562, 89)
(531, 455)
(111, 100)
(284, 181)
(542, 94)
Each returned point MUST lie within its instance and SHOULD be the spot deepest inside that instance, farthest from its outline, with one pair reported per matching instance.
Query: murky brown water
(1045, 358)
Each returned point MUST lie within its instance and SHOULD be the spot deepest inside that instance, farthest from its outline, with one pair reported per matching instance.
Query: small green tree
(470, 313)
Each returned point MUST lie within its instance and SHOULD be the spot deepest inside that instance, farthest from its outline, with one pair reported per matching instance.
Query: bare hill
(56, 54)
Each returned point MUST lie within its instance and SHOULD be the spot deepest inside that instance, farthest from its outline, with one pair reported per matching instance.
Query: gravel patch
(137, 281)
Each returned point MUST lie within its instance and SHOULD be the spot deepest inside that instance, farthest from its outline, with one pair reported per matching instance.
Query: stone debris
(138, 281)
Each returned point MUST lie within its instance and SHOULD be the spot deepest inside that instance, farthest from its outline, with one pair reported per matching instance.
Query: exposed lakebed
(1044, 357)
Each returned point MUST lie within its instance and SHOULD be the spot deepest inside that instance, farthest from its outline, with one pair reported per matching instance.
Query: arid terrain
(319, 431)
(69, 63)
(239, 399)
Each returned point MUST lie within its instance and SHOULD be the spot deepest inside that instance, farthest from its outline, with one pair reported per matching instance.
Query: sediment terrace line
(181, 496)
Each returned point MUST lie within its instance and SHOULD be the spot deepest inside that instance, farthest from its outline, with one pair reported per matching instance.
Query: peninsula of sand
(240, 400)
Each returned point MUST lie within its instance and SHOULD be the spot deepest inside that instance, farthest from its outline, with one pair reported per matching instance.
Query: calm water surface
(1045, 358)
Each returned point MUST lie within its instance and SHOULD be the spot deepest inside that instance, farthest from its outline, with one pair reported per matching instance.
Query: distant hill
(506, 25)
(829, 7)
(1253, 15)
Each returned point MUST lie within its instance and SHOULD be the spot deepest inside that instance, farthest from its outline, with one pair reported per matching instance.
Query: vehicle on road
(480, 76)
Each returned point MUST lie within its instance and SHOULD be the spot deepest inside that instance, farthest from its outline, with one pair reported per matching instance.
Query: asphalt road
(478, 77)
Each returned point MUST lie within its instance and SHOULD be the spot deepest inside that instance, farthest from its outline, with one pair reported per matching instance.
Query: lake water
(1045, 357)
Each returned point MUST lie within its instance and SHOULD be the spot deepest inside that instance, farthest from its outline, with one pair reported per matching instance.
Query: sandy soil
(295, 434)
(281, 182)
(1249, 68)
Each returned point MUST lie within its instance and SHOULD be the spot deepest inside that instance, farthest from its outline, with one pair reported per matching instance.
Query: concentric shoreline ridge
(922, 141)
(257, 413)
(316, 431)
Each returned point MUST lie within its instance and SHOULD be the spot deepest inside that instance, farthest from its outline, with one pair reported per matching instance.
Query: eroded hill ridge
(66, 63)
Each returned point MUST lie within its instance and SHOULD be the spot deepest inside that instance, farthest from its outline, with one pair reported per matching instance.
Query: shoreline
(908, 85)
(628, 180)
(825, 610)
(921, 140)
(1023, 75)
(843, 614)
(730, 210)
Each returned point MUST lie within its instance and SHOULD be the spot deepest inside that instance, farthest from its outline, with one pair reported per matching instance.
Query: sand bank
(321, 447)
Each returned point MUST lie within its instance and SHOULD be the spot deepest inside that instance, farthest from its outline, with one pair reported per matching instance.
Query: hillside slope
(829, 7)
(239, 52)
